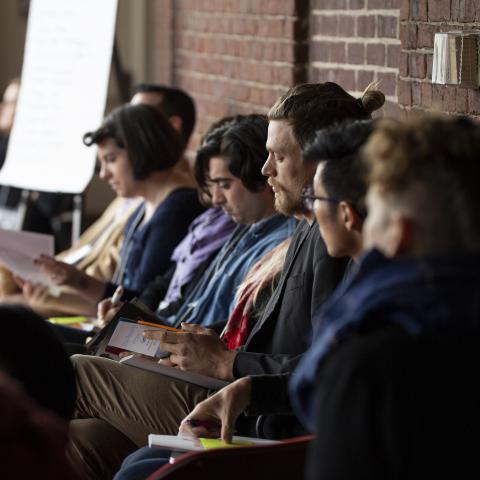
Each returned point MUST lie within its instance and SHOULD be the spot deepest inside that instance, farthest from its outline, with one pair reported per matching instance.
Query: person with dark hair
(175, 104)
(49, 380)
(337, 196)
(138, 150)
(212, 300)
(37, 398)
(210, 147)
(235, 184)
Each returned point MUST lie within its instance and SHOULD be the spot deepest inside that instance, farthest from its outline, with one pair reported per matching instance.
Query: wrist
(225, 366)
(244, 391)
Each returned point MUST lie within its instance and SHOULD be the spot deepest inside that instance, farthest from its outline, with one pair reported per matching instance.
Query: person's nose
(268, 169)
(104, 173)
(218, 198)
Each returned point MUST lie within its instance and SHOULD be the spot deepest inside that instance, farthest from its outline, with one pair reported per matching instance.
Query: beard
(288, 201)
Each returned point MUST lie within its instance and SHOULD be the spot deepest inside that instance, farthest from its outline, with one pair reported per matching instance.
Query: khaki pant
(117, 407)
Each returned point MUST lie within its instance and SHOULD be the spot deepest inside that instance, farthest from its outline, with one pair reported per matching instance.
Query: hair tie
(360, 105)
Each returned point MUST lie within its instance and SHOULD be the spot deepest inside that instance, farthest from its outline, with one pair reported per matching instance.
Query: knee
(86, 366)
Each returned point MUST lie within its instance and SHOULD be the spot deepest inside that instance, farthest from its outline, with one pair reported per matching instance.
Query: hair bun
(372, 99)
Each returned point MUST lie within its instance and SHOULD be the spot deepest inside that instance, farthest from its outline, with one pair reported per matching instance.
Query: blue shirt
(213, 299)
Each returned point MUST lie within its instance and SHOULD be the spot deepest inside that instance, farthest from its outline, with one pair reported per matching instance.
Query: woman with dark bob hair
(138, 150)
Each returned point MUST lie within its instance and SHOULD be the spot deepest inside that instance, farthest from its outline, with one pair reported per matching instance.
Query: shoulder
(181, 204)
(280, 228)
(182, 197)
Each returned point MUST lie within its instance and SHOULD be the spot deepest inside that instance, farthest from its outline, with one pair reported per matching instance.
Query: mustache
(277, 186)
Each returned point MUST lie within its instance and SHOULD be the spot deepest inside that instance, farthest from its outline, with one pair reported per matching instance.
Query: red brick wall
(238, 56)
(355, 42)
(419, 20)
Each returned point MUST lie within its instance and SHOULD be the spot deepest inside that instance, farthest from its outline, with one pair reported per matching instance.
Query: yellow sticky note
(211, 443)
(67, 320)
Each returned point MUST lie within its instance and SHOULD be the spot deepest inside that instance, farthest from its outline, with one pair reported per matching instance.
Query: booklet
(128, 336)
(133, 311)
(19, 249)
(173, 372)
(188, 444)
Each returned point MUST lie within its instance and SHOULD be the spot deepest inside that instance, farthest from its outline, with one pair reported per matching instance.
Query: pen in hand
(117, 296)
(106, 307)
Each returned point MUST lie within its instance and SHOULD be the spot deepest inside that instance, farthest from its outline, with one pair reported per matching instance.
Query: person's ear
(350, 217)
(176, 122)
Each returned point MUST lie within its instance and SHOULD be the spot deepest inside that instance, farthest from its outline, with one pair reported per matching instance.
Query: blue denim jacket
(213, 299)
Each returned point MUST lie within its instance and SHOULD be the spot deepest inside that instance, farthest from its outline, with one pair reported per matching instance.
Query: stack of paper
(188, 444)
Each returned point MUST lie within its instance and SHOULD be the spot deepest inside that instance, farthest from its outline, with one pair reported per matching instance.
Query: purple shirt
(207, 234)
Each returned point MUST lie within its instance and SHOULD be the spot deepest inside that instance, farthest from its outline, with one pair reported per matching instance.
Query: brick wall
(355, 42)
(419, 20)
(238, 56)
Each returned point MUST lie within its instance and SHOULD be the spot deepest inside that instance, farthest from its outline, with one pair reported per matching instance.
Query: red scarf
(238, 325)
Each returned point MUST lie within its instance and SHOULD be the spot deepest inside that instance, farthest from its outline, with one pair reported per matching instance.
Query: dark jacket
(389, 384)
(283, 332)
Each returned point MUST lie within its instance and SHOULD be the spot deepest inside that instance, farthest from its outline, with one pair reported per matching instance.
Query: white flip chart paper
(64, 85)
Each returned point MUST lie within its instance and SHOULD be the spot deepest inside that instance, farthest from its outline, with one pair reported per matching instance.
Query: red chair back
(284, 460)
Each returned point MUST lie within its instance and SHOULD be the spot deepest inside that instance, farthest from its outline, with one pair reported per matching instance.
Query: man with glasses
(337, 196)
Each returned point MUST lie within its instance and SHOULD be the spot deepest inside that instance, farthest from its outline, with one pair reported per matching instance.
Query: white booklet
(189, 444)
(19, 249)
(184, 375)
(128, 336)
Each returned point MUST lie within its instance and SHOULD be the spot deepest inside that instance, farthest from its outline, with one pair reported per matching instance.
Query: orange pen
(156, 325)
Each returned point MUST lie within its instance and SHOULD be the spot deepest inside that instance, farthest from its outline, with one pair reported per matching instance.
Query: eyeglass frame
(308, 198)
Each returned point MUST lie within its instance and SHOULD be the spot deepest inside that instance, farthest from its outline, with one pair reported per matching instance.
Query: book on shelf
(456, 58)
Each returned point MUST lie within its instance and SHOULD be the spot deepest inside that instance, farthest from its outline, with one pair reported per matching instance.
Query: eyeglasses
(308, 198)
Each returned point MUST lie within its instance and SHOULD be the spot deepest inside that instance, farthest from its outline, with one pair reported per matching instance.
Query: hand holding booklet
(125, 334)
(128, 336)
(19, 249)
